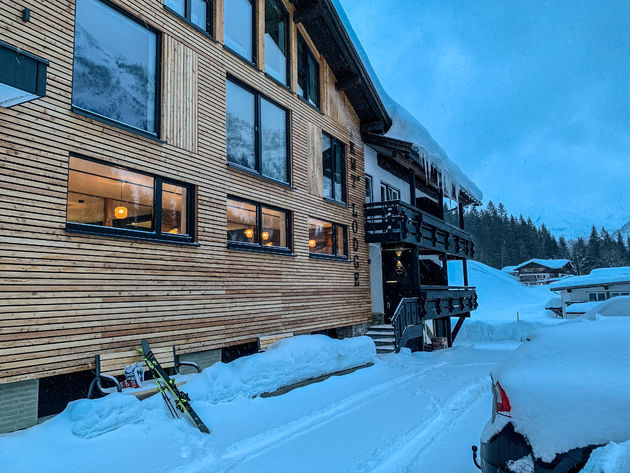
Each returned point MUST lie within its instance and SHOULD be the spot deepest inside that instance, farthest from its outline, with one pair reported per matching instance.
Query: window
(115, 67)
(196, 12)
(251, 225)
(108, 199)
(276, 40)
(369, 198)
(239, 27)
(334, 167)
(327, 239)
(308, 73)
(257, 133)
(389, 192)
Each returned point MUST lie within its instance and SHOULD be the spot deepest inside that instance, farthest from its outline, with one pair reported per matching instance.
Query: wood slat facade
(65, 297)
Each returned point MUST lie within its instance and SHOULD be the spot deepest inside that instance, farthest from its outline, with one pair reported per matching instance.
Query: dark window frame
(259, 247)
(187, 17)
(156, 234)
(369, 184)
(287, 18)
(158, 81)
(306, 54)
(334, 256)
(388, 188)
(257, 171)
(253, 60)
(334, 142)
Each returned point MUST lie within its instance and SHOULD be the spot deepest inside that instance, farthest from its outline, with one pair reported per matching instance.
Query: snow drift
(286, 362)
(500, 297)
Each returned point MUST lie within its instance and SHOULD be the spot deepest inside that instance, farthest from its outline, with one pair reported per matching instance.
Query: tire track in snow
(261, 443)
(258, 444)
(401, 453)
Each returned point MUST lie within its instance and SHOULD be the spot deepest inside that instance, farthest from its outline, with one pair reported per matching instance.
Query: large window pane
(241, 222)
(274, 141)
(313, 81)
(240, 126)
(174, 209)
(108, 196)
(320, 234)
(340, 232)
(308, 73)
(274, 228)
(340, 172)
(115, 66)
(239, 27)
(276, 40)
(327, 164)
(199, 13)
(178, 6)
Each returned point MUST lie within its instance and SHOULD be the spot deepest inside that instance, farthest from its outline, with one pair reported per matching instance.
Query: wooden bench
(265, 341)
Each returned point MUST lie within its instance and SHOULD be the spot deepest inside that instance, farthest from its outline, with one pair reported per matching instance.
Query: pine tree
(563, 249)
(594, 250)
(579, 257)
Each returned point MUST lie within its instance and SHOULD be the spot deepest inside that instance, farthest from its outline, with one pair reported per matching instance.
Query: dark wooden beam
(307, 12)
(368, 127)
(348, 82)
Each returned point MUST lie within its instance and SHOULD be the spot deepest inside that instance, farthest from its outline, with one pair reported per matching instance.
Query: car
(558, 396)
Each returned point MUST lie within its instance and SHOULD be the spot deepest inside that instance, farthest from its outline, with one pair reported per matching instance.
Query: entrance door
(400, 277)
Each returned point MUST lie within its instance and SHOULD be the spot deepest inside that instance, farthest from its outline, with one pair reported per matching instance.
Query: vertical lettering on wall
(355, 217)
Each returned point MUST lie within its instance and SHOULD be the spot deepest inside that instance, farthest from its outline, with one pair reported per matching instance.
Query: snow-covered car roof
(568, 386)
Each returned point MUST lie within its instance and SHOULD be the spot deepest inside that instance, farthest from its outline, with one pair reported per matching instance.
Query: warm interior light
(265, 235)
(174, 230)
(249, 233)
(120, 212)
(399, 253)
(269, 244)
(312, 243)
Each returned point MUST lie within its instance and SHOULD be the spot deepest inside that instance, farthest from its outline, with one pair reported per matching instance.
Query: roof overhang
(326, 30)
(22, 76)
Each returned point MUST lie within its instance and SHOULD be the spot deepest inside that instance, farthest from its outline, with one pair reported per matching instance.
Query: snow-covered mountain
(624, 230)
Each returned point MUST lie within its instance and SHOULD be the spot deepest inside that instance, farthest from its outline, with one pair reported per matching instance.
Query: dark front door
(400, 270)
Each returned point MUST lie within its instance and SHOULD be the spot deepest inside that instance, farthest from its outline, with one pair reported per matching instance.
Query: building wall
(582, 294)
(65, 297)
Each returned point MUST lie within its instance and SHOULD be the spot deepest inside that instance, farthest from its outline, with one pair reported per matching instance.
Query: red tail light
(503, 402)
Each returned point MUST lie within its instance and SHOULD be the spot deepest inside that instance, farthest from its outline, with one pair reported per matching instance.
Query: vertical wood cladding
(65, 297)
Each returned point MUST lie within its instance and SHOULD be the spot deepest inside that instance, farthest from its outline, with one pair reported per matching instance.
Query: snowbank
(568, 387)
(615, 307)
(613, 458)
(286, 362)
(500, 297)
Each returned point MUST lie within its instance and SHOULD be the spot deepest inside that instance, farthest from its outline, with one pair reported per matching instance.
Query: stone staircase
(383, 336)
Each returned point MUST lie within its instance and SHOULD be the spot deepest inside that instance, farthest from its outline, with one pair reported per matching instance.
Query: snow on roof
(598, 277)
(614, 307)
(549, 263)
(406, 127)
(508, 269)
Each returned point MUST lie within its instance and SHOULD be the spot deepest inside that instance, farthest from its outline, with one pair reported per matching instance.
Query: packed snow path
(416, 412)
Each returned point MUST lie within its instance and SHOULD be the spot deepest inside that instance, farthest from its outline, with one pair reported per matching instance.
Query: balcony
(397, 222)
(434, 302)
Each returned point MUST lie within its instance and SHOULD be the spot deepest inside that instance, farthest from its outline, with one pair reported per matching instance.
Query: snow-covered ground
(417, 412)
(508, 310)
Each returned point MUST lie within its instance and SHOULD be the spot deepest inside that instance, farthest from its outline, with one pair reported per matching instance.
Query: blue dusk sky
(530, 98)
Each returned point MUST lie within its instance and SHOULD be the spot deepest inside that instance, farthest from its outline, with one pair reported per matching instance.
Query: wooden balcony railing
(397, 222)
(434, 302)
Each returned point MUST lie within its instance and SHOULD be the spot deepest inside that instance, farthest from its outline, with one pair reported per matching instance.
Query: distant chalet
(537, 272)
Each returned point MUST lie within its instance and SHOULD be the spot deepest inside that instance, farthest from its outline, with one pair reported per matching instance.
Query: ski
(166, 383)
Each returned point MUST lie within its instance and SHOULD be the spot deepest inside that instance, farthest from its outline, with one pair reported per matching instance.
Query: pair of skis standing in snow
(168, 388)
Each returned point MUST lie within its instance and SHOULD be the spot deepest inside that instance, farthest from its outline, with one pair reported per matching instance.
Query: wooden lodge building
(190, 172)
(415, 226)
